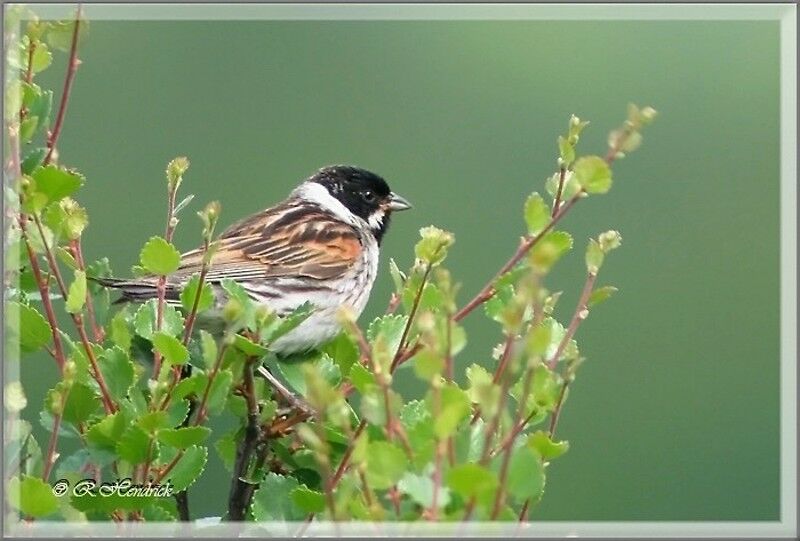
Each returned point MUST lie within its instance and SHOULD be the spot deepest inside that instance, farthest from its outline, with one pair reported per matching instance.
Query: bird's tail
(134, 290)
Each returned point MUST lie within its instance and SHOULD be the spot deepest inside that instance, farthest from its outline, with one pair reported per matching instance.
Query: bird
(320, 245)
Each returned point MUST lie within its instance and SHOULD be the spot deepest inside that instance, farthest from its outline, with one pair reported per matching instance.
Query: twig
(412, 313)
(201, 408)
(238, 500)
(527, 242)
(97, 330)
(562, 173)
(161, 284)
(557, 411)
(581, 312)
(72, 67)
(44, 293)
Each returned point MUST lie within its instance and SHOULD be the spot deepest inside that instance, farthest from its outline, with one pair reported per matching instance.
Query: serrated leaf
(76, 296)
(593, 174)
(389, 328)
(218, 392)
(105, 434)
(188, 468)
(361, 378)
(428, 364)
(56, 183)
(133, 445)
(118, 371)
(432, 248)
(420, 489)
(32, 496)
(181, 438)
(594, 256)
(248, 347)
(472, 481)
(549, 249)
(173, 351)
(294, 372)
(81, 403)
(308, 500)
(386, 464)
(272, 501)
(189, 293)
(343, 351)
(601, 294)
(120, 330)
(545, 447)
(455, 406)
(537, 214)
(209, 347)
(32, 160)
(291, 322)
(159, 256)
(525, 474)
(31, 328)
(144, 321)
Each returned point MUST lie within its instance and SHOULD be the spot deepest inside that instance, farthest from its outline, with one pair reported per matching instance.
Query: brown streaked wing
(285, 241)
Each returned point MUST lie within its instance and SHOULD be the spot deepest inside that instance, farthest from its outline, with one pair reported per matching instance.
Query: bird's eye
(368, 196)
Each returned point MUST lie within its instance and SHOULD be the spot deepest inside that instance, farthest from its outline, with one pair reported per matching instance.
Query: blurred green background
(675, 414)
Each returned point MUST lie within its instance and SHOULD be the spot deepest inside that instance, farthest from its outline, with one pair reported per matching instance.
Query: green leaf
(537, 214)
(594, 256)
(159, 256)
(55, 183)
(105, 434)
(600, 294)
(144, 322)
(343, 351)
(593, 174)
(289, 323)
(272, 501)
(432, 248)
(33, 331)
(32, 496)
(120, 330)
(27, 128)
(386, 464)
(76, 297)
(118, 371)
(181, 438)
(483, 391)
(82, 402)
(177, 412)
(209, 346)
(188, 468)
(174, 352)
(189, 293)
(428, 364)
(153, 421)
(420, 489)
(32, 160)
(248, 347)
(133, 445)
(389, 328)
(549, 249)
(218, 393)
(455, 406)
(525, 474)
(294, 372)
(308, 500)
(566, 150)
(472, 481)
(545, 447)
(361, 378)
(42, 58)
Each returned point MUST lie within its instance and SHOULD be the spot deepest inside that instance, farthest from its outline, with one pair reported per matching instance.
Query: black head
(363, 193)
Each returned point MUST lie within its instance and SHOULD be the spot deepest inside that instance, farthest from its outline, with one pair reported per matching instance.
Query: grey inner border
(785, 13)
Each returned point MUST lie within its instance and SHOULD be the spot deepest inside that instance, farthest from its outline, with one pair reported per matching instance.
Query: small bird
(320, 245)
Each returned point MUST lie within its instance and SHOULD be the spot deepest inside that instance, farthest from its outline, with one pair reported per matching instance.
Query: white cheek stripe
(376, 219)
(317, 193)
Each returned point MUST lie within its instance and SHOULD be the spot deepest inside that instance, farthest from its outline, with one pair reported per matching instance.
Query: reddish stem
(72, 67)
(97, 331)
(526, 244)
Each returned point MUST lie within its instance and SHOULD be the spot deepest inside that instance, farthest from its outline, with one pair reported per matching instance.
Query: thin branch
(557, 411)
(161, 284)
(97, 330)
(201, 409)
(562, 173)
(412, 313)
(581, 312)
(527, 242)
(239, 495)
(72, 67)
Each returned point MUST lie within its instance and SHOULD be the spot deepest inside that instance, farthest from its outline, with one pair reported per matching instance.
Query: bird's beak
(397, 202)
